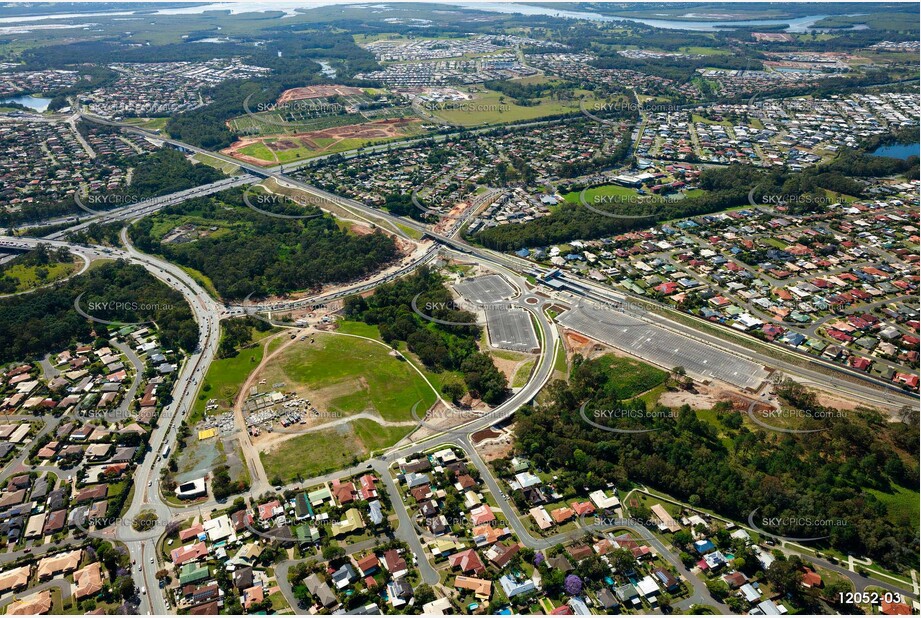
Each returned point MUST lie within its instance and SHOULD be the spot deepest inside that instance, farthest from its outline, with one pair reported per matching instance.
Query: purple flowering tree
(573, 585)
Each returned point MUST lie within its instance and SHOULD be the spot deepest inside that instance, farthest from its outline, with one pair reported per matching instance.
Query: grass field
(560, 364)
(224, 378)
(523, 373)
(902, 505)
(704, 51)
(367, 330)
(151, 124)
(631, 377)
(262, 151)
(224, 166)
(325, 135)
(493, 107)
(27, 276)
(699, 118)
(273, 123)
(602, 192)
(317, 452)
(351, 375)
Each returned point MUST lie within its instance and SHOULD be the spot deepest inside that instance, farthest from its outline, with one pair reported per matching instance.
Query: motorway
(147, 476)
(208, 313)
(860, 387)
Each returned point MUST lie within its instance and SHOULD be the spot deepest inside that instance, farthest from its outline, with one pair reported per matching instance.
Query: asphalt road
(208, 313)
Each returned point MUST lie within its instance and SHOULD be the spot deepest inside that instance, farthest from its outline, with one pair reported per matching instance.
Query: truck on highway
(166, 451)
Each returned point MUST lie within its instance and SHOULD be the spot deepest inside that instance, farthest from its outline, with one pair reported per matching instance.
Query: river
(39, 104)
(798, 24)
(898, 151)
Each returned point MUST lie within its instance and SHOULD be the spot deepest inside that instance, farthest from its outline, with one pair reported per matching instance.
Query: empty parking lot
(662, 347)
(510, 328)
(488, 289)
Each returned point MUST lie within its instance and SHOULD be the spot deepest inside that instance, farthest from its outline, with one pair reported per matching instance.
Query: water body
(39, 104)
(898, 151)
(326, 68)
(799, 24)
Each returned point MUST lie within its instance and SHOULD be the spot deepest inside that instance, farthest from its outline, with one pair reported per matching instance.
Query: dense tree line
(45, 320)
(222, 486)
(236, 333)
(726, 187)
(528, 94)
(262, 255)
(439, 346)
(401, 204)
(677, 69)
(732, 469)
(855, 163)
(98, 234)
(167, 171)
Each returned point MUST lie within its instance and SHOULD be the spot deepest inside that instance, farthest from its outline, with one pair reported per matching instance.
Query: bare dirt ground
(447, 222)
(833, 401)
(490, 451)
(376, 129)
(702, 400)
(317, 92)
(509, 367)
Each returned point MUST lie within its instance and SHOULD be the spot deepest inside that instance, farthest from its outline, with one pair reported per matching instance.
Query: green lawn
(775, 242)
(27, 277)
(631, 377)
(224, 166)
(327, 145)
(151, 124)
(523, 373)
(317, 452)
(493, 107)
(600, 192)
(366, 330)
(698, 118)
(902, 505)
(223, 381)
(359, 328)
(560, 363)
(704, 51)
(355, 375)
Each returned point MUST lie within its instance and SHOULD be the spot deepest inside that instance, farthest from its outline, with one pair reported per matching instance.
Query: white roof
(218, 528)
(751, 595)
(647, 586)
(602, 501)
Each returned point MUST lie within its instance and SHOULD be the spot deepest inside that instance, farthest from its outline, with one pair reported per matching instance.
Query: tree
(665, 602)
(785, 576)
(738, 605)
(573, 585)
(835, 591)
(424, 594)
(718, 589)
(682, 539)
(332, 551)
(453, 388)
(125, 586)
